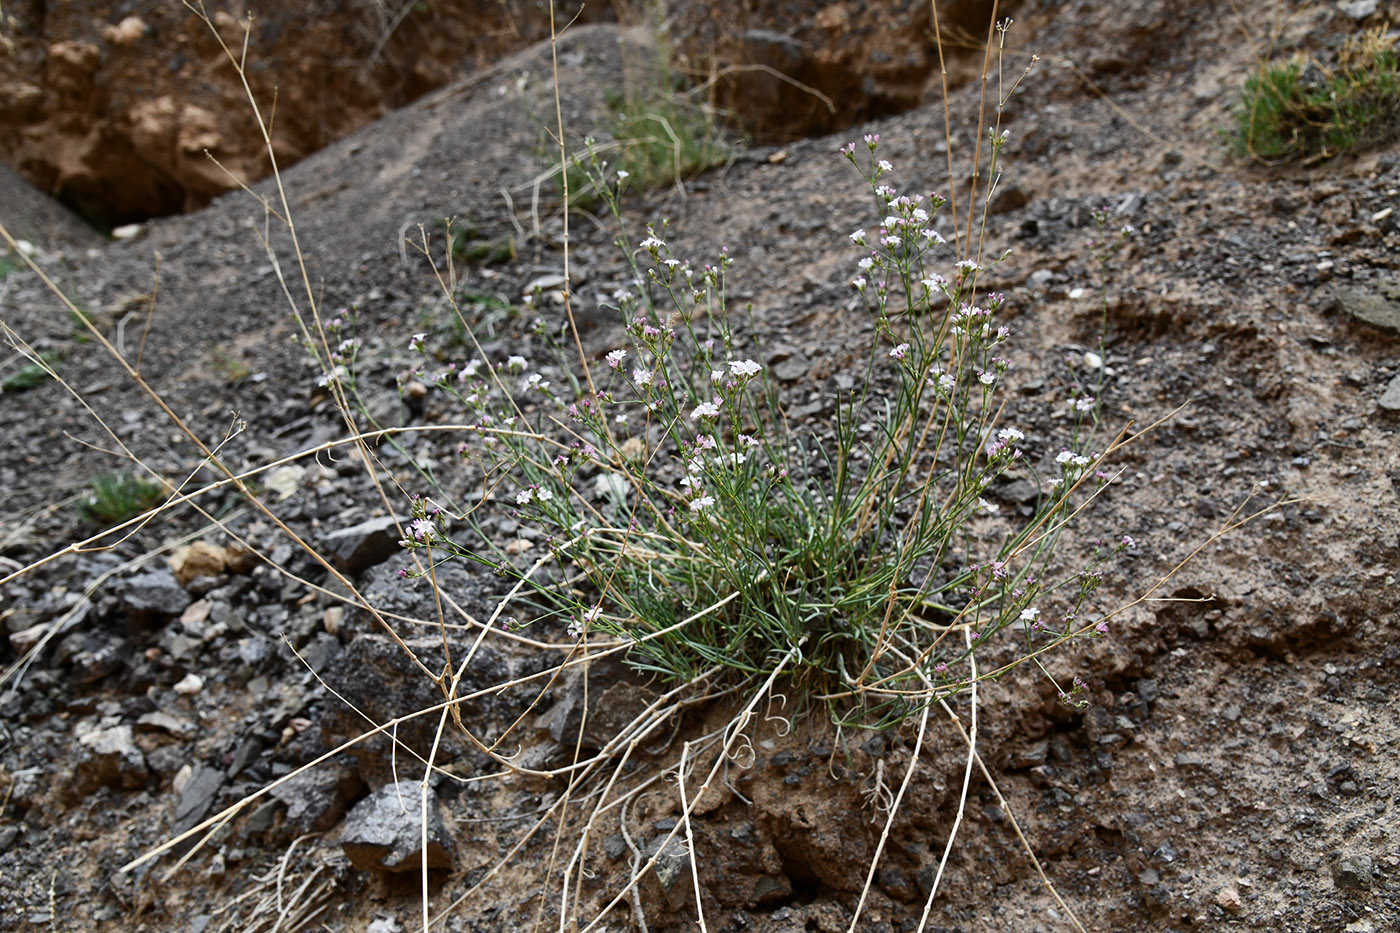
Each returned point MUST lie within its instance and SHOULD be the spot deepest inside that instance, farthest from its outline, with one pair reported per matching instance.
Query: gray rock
(1352, 871)
(198, 796)
(787, 363)
(384, 831)
(1390, 398)
(154, 593)
(161, 721)
(317, 799)
(1377, 304)
(1358, 9)
(361, 546)
(614, 698)
(671, 873)
(378, 678)
(109, 758)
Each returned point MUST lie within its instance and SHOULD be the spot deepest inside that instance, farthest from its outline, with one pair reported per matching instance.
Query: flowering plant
(683, 512)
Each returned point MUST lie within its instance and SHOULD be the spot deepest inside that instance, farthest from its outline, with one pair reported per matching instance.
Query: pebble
(189, 685)
(1352, 871)
(1390, 398)
(1229, 900)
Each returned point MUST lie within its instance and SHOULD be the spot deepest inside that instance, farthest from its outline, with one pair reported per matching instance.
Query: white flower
(517, 363)
(744, 368)
(421, 530)
(866, 264)
(858, 238)
(576, 629)
(621, 174)
(652, 243)
(416, 341)
(987, 378)
(641, 377)
(900, 352)
(884, 166)
(716, 376)
(705, 410)
(704, 502)
(591, 615)
(987, 506)
(1010, 434)
(946, 381)
(705, 442)
(524, 496)
(1029, 615)
(544, 495)
(1064, 456)
(615, 358)
(859, 282)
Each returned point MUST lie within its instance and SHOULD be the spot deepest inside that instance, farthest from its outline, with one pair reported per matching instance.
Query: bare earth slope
(1238, 763)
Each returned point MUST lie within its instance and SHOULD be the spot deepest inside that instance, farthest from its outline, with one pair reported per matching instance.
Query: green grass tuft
(117, 497)
(1301, 110)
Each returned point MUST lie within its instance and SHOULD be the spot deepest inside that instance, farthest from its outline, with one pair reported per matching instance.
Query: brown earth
(128, 111)
(117, 109)
(1237, 766)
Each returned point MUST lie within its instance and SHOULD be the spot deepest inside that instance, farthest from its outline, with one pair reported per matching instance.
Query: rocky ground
(1236, 768)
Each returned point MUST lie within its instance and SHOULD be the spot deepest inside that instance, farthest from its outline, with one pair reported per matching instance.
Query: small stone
(22, 641)
(159, 721)
(361, 546)
(1358, 9)
(672, 869)
(384, 925)
(1229, 900)
(110, 758)
(201, 559)
(383, 832)
(1352, 871)
(1390, 398)
(154, 593)
(317, 799)
(285, 480)
(197, 795)
(1374, 304)
(189, 685)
